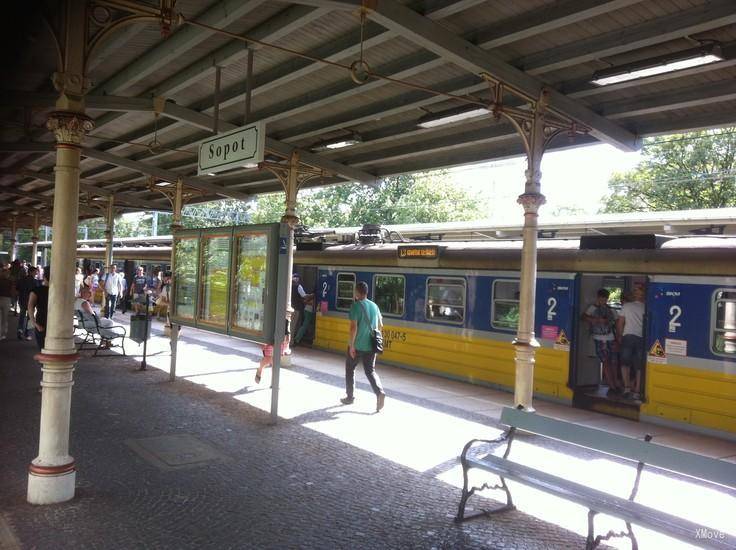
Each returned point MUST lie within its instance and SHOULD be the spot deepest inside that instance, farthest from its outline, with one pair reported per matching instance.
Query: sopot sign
(238, 148)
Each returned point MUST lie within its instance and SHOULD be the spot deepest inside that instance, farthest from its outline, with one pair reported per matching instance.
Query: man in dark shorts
(38, 308)
(630, 332)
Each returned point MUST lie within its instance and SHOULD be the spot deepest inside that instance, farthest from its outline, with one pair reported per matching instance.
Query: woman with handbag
(364, 344)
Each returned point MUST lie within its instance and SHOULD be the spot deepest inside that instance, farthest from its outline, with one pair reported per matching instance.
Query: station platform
(196, 463)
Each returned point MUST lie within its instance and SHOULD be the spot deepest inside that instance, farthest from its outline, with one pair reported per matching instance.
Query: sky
(575, 178)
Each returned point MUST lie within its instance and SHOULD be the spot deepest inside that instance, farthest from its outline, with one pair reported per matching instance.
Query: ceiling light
(211, 174)
(163, 183)
(433, 120)
(658, 65)
(250, 165)
(338, 143)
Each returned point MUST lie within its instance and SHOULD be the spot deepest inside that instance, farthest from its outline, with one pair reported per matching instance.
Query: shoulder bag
(376, 335)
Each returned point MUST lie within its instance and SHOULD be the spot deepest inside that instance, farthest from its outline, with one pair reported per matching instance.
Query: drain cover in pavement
(170, 452)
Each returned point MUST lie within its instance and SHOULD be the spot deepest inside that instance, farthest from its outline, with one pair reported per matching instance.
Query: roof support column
(34, 240)
(537, 128)
(52, 474)
(177, 205)
(13, 238)
(109, 229)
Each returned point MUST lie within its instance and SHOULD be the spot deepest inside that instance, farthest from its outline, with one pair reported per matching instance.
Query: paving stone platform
(196, 463)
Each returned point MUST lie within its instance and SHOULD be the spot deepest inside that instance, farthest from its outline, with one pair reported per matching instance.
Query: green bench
(598, 502)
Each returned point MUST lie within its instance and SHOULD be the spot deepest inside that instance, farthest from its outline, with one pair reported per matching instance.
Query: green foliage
(418, 198)
(682, 172)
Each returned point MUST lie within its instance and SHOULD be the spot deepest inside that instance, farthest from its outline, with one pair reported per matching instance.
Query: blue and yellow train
(452, 309)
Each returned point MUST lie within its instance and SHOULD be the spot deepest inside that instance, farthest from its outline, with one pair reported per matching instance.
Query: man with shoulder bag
(364, 344)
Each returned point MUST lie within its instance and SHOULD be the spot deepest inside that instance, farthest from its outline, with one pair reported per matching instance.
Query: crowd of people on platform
(24, 292)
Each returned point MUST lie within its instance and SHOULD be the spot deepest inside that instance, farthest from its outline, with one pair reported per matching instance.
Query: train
(451, 308)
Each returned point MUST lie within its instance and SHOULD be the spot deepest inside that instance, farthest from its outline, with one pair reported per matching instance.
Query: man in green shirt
(364, 317)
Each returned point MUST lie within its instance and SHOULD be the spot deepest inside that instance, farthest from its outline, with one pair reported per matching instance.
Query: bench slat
(691, 464)
(602, 502)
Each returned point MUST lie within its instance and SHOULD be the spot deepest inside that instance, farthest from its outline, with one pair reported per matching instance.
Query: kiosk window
(215, 277)
(724, 322)
(345, 290)
(445, 300)
(505, 304)
(185, 282)
(388, 293)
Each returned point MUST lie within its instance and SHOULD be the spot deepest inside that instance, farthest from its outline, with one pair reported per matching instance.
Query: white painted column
(13, 238)
(34, 240)
(52, 474)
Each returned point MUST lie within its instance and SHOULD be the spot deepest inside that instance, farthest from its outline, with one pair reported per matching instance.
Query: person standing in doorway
(630, 333)
(38, 308)
(602, 320)
(113, 290)
(364, 318)
(297, 303)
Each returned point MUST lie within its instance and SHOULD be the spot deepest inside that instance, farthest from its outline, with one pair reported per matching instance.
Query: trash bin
(138, 326)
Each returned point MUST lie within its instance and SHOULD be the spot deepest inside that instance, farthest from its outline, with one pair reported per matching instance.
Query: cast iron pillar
(52, 474)
(34, 240)
(109, 229)
(537, 127)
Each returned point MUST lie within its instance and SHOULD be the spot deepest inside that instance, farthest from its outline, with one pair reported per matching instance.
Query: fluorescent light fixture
(338, 143)
(341, 144)
(433, 120)
(163, 183)
(659, 65)
(250, 165)
(211, 174)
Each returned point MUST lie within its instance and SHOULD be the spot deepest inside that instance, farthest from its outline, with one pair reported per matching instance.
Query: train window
(445, 299)
(388, 293)
(505, 304)
(345, 290)
(724, 322)
(185, 291)
(215, 278)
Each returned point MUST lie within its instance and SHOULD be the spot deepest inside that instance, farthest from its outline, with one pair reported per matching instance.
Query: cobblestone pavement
(294, 485)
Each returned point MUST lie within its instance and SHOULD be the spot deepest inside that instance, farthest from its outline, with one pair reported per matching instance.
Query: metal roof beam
(714, 14)
(221, 14)
(694, 96)
(205, 121)
(161, 173)
(437, 39)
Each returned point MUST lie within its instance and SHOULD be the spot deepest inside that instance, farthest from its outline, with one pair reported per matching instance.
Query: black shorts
(632, 351)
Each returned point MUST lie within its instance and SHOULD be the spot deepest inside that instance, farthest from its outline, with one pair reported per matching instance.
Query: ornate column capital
(531, 202)
(69, 128)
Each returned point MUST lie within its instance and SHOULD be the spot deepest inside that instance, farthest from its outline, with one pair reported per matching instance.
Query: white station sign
(242, 147)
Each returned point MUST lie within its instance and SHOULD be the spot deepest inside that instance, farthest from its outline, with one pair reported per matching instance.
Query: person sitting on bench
(88, 318)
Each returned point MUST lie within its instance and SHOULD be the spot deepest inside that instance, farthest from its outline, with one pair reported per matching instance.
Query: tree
(417, 198)
(681, 172)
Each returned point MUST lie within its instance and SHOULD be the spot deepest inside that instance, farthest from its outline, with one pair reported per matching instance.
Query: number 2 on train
(675, 311)
(551, 313)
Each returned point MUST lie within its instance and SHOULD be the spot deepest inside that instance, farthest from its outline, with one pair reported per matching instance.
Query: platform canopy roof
(152, 96)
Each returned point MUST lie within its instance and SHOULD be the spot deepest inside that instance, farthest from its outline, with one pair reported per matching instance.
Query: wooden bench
(631, 512)
(91, 331)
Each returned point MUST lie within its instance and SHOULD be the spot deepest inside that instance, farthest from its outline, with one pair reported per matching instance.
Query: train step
(597, 400)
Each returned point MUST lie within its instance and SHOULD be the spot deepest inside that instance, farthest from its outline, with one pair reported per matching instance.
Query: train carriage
(452, 309)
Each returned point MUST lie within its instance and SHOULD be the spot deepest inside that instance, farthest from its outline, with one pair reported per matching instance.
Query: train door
(309, 277)
(586, 374)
